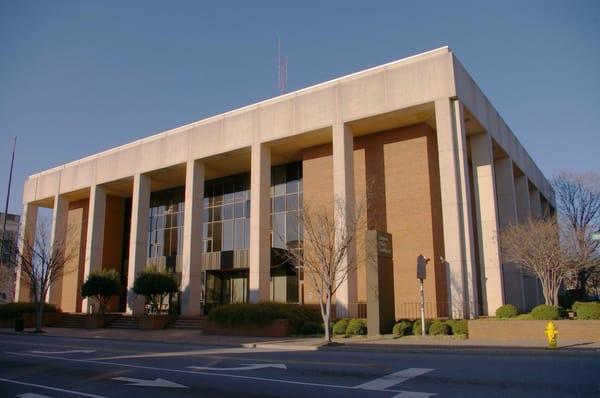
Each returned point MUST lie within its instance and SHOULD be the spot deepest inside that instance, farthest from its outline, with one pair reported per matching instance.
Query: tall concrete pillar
(192, 238)
(59, 238)
(260, 214)
(535, 203)
(487, 222)
(94, 235)
(138, 240)
(456, 209)
(343, 193)
(507, 215)
(522, 197)
(26, 241)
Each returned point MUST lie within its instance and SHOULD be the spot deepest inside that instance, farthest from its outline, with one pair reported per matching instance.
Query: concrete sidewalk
(381, 343)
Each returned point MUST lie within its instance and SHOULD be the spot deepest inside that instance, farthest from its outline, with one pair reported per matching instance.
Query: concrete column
(94, 235)
(138, 240)
(522, 197)
(260, 214)
(26, 234)
(456, 205)
(507, 215)
(487, 222)
(343, 192)
(58, 238)
(192, 238)
(535, 203)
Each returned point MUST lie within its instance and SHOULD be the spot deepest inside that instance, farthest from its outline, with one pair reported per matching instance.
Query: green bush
(102, 285)
(261, 313)
(588, 310)
(16, 310)
(356, 327)
(402, 328)
(545, 312)
(576, 305)
(524, 317)
(439, 328)
(311, 327)
(155, 286)
(507, 311)
(417, 327)
(340, 326)
(458, 326)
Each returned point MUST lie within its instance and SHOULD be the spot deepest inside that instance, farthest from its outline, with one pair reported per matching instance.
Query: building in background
(214, 201)
(8, 256)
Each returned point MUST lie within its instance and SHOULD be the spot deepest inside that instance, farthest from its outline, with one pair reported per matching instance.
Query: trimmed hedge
(16, 310)
(507, 311)
(261, 313)
(439, 328)
(356, 327)
(588, 310)
(340, 326)
(545, 312)
(417, 327)
(458, 326)
(311, 327)
(403, 328)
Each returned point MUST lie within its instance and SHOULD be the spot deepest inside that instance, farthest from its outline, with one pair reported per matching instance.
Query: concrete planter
(275, 328)
(494, 329)
(154, 322)
(94, 321)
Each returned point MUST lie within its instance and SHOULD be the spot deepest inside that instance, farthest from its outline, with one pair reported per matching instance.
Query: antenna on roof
(282, 69)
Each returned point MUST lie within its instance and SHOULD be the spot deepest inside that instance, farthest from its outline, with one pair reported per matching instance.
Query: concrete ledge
(506, 329)
(154, 322)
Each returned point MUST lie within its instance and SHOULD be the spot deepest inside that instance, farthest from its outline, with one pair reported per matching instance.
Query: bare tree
(536, 246)
(578, 201)
(327, 255)
(42, 261)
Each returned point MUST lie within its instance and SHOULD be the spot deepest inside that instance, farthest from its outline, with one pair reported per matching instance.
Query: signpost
(421, 275)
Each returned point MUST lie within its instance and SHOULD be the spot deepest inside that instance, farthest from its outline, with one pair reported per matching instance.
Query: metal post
(422, 309)
(12, 162)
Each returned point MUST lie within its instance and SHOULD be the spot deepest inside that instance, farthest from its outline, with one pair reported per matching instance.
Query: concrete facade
(415, 138)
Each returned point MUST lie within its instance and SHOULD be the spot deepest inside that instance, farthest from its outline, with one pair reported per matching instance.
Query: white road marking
(387, 381)
(64, 352)
(150, 383)
(245, 366)
(83, 394)
(212, 374)
(32, 395)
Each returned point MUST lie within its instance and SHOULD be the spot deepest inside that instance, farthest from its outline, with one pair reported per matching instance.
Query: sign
(384, 244)
(421, 267)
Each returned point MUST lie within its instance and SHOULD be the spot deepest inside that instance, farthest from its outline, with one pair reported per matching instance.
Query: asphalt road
(33, 366)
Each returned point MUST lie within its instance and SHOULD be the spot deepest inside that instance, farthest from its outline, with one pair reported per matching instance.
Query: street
(40, 366)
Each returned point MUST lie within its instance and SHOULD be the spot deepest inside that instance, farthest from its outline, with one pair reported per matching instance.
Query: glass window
(291, 202)
(228, 195)
(227, 235)
(238, 240)
(291, 227)
(279, 204)
(279, 180)
(217, 237)
(217, 213)
(227, 212)
(279, 230)
(238, 210)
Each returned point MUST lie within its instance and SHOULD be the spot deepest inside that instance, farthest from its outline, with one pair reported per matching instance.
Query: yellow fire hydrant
(551, 334)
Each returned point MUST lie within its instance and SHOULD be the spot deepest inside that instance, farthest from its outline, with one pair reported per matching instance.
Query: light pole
(421, 275)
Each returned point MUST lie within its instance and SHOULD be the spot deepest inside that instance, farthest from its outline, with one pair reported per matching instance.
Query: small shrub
(588, 311)
(340, 327)
(507, 311)
(576, 305)
(458, 326)
(417, 327)
(356, 327)
(155, 286)
(16, 310)
(311, 327)
(545, 312)
(402, 328)
(524, 317)
(102, 285)
(439, 328)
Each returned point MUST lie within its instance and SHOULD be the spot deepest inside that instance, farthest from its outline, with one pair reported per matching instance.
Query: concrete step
(124, 322)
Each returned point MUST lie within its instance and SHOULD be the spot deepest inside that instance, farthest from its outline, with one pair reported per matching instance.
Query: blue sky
(78, 77)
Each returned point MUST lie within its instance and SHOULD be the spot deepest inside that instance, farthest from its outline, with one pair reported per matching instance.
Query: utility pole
(12, 161)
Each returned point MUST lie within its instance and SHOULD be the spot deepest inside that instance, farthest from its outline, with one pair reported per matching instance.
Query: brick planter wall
(49, 319)
(154, 322)
(493, 329)
(275, 328)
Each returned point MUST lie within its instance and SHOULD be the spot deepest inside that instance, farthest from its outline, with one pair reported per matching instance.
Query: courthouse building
(215, 200)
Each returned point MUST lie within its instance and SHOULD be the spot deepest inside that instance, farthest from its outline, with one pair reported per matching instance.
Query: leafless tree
(578, 201)
(43, 261)
(536, 246)
(327, 255)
